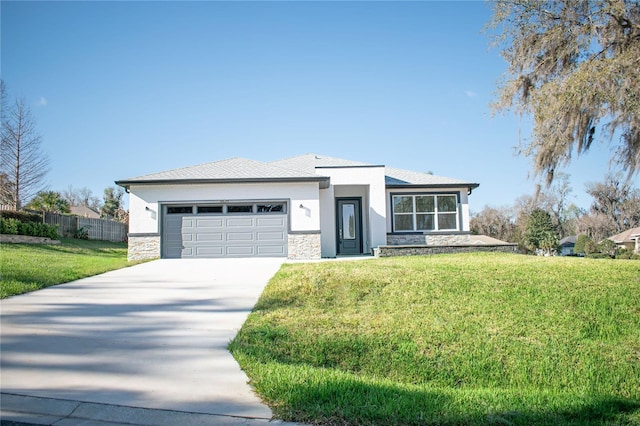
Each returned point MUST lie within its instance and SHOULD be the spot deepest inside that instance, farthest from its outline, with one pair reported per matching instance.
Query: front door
(349, 225)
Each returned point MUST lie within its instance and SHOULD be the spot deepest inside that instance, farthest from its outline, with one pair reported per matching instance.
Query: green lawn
(470, 339)
(29, 267)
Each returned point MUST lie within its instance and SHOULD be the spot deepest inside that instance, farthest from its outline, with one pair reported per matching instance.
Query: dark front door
(349, 226)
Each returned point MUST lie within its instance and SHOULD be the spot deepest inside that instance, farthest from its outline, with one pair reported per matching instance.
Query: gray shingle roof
(233, 169)
(309, 162)
(570, 240)
(307, 167)
(401, 177)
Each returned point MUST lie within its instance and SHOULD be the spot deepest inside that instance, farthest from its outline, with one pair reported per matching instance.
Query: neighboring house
(303, 207)
(566, 245)
(629, 239)
(84, 211)
(485, 240)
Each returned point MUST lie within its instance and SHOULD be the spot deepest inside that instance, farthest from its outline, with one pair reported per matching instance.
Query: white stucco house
(304, 207)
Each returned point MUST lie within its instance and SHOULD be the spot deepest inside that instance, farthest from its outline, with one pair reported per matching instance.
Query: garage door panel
(210, 251)
(240, 236)
(173, 251)
(270, 236)
(271, 250)
(221, 235)
(270, 221)
(210, 223)
(240, 250)
(240, 222)
(216, 236)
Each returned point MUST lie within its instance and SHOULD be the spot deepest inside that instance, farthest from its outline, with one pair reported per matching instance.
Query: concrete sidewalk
(146, 342)
(29, 410)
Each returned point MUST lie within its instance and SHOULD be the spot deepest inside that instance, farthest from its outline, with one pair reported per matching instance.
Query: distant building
(566, 246)
(84, 211)
(629, 239)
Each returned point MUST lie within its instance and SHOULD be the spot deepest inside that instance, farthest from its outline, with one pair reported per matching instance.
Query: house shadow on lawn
(325, 384)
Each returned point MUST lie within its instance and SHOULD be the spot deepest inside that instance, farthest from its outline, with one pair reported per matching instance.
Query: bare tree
(23, 162)
(495, 222)
(82, 197)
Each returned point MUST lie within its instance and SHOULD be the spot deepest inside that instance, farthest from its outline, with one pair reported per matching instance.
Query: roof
(569, 241)
(401, 177)
(627, 236)
(230, 170)
(393, 176)
(485, 240)
(309, 162)
(84, 211)
(307, 167)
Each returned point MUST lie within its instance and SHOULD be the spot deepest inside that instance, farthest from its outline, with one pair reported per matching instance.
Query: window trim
(282, 207)
(414, 213)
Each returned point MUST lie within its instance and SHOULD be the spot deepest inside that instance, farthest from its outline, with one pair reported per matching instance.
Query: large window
(423, 212)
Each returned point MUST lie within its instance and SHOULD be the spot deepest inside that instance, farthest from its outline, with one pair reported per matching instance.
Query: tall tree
(49, 201)
(540, 232)
(112, 204)
(23, 162)
(615, 207)
(574, 65)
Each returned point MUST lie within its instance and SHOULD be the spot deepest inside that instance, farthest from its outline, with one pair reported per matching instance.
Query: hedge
(21, 216)
(16, 227)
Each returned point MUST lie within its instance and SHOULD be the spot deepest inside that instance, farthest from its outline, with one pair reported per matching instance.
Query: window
(425, 212)
(270, 208)
(223, 208)
(179, 210)
(240, 208)
(209, 209)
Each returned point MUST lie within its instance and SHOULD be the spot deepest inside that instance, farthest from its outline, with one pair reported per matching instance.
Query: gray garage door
(225, 230)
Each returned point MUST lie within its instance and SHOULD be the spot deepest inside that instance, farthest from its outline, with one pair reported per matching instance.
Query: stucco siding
(145, 201)
(368, 183)
(327, 222)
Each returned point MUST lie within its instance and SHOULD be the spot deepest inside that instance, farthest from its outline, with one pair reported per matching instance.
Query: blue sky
(122, 89)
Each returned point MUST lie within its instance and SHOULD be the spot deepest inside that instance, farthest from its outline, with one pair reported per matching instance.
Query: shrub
(627, 254)
(82, 233)
(34, 229)
(21, 216)
(581, 242)
(608, 247)
(598, 256)
(9, 226)
(40, 230)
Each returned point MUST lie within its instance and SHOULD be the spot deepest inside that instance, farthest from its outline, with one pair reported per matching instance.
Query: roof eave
(322, 180)
(435, 185)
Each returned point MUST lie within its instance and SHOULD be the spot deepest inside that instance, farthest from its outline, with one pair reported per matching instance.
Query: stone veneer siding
(414, 250)
(427, 239)
(304, 246)
(143, 247)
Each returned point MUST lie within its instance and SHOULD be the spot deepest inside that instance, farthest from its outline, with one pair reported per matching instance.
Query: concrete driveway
(149, 336)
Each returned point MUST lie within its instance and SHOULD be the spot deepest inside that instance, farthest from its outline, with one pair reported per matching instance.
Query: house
(566, 245)
(84, 211)
(304, 207)
(629, 239)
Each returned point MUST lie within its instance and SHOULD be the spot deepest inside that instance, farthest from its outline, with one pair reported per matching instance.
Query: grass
(29, 267)
(469, 339)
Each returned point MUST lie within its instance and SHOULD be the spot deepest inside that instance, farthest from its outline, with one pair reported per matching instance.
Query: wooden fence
(96, 229)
